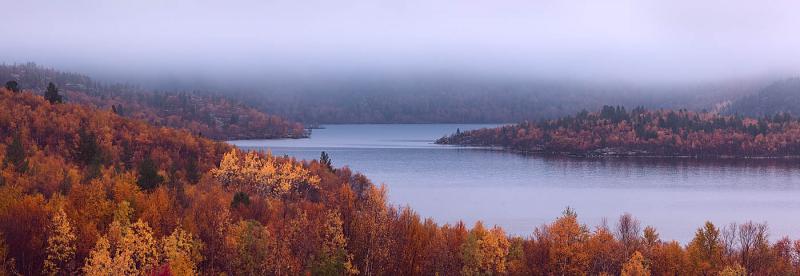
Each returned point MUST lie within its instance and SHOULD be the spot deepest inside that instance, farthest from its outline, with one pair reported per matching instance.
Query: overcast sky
(670, 40)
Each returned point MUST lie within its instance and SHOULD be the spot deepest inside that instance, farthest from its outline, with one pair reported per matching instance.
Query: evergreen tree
(325, 160)
(15, 155)
(51, 95)
(13, 86)
(89, 154)
(240, 198)
(148, 175)
(192, 171)
(89, 151)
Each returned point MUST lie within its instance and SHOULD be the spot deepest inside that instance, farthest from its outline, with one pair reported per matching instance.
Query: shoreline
(630, 154)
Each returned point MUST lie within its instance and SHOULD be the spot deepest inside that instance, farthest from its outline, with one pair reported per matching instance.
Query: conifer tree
(15, 155)
(148, 175)
(325, 160)
(51, 95)
(13, 86)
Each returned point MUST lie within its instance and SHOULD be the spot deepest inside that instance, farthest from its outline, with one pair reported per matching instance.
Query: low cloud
(616, 40)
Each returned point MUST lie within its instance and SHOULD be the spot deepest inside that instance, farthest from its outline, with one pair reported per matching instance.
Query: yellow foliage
(60, 245)
(182, 252)
(140, 242)
(568, 243)
(101, 263)
(135, 251)
(734, 270)
(264, 174)
(333, 257)
(250, 249)
(485, 251)
(635, 266)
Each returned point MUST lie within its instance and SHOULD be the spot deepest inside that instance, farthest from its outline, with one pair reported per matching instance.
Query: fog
(636, 41)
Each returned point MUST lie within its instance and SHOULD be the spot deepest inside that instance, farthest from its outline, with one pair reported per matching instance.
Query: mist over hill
(779, 97)
(435, 98)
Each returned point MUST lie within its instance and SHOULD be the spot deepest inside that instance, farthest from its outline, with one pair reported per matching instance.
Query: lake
(520, 192)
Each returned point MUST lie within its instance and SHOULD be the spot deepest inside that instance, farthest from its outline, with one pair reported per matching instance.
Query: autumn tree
(516, 262)
(485, 251)
(650, 237)
(126, 249)
(139, 240)
(249, 247)
(636, 266)
(369, 232)
(605, 252)
(705, 250)
(6, 262)
(669, 259)
(102, 262)
(182, 251)
(734, 270)
(51, 95)
(60, 246)
(333, 258)
(568, 240)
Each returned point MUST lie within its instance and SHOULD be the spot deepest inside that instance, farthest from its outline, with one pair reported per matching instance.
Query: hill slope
(214, 116)
(779, 97)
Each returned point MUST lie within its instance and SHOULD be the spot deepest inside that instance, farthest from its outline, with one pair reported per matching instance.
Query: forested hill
(779, 97)
(464, 99)
(213, 116)
(616, 132)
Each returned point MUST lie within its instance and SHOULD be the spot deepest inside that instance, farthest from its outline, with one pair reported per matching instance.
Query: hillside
(449, 99)
(213, 116)
(779, 97)
(615, 132)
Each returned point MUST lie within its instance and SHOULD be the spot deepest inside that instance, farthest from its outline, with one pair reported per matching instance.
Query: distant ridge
(779, 97)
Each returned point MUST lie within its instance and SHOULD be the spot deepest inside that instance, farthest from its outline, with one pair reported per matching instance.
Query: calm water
(521, 192)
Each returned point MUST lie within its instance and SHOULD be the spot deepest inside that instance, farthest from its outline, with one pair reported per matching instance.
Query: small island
(615, 132)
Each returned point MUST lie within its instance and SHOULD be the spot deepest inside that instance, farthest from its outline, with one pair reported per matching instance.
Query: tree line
(616, 131)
